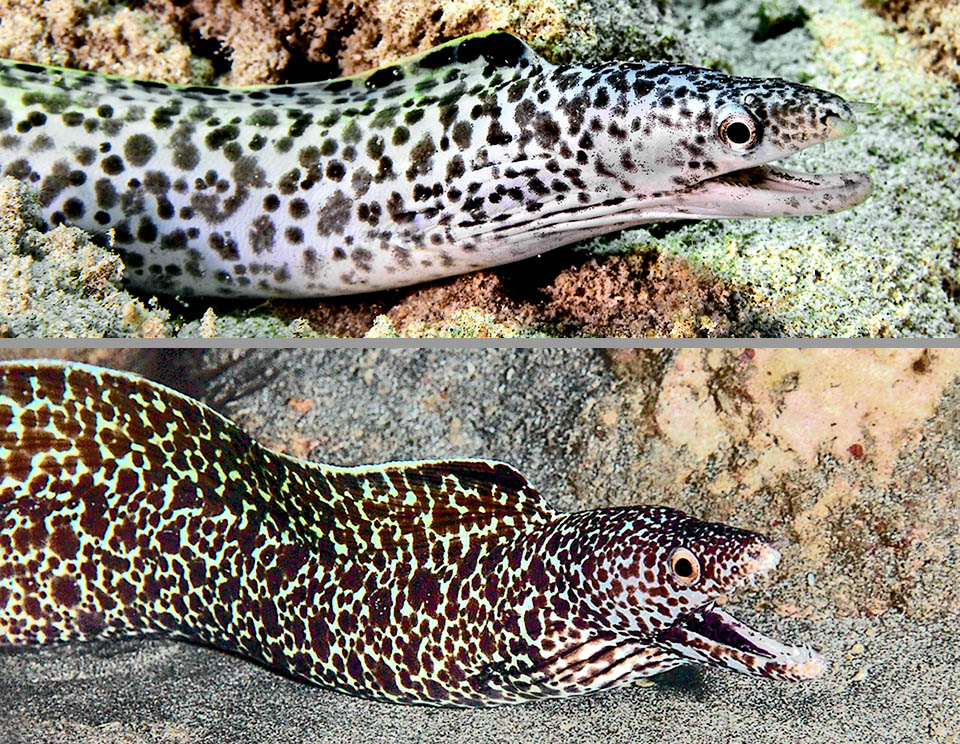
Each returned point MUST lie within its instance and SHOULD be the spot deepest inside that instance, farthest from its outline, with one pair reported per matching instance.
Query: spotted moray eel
(476, 153)
(128, 509)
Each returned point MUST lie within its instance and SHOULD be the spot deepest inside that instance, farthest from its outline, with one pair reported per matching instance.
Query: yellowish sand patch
(811, 524)
(789, 407)
(685, 413)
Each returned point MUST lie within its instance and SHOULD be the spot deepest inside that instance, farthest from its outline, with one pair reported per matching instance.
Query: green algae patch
(463, 323)
(59, 283)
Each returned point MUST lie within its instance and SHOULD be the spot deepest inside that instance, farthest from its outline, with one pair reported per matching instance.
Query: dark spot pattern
(334, 215)
(112, 165)
(138, 149)
(262, 234)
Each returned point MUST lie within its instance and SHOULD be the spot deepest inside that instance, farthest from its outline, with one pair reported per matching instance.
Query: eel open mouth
(766, 191)
(709, 635)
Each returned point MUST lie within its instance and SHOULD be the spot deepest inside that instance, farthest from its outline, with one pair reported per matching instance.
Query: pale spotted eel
(476, 153)
(129, 509)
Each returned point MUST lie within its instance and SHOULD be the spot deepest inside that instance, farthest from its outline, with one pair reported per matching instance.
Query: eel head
(659, 141)
(666, 577)
(717, 143)
(708, 634)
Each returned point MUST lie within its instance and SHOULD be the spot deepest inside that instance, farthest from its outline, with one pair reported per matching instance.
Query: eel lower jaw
(710, 635)
(766, 191)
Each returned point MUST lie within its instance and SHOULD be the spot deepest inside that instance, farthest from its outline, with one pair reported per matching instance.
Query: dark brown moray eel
(129, 509)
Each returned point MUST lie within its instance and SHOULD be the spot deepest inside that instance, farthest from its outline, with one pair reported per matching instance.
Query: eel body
(476, 153)
(129, 509)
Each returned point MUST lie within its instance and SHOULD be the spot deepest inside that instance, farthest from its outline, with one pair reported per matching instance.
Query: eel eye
(685, 566)
(738, 129)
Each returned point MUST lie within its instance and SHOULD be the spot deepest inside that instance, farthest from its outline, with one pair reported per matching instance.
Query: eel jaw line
(766, 191)
(760, 191)
(710, 635)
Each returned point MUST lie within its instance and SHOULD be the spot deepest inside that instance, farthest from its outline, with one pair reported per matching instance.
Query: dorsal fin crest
(480, 50)
(477, 52)
(410, 506)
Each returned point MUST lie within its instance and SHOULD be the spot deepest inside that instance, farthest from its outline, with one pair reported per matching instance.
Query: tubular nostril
(762, 560)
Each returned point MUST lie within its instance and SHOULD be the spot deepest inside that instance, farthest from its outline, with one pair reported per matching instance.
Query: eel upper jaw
(710, 635)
